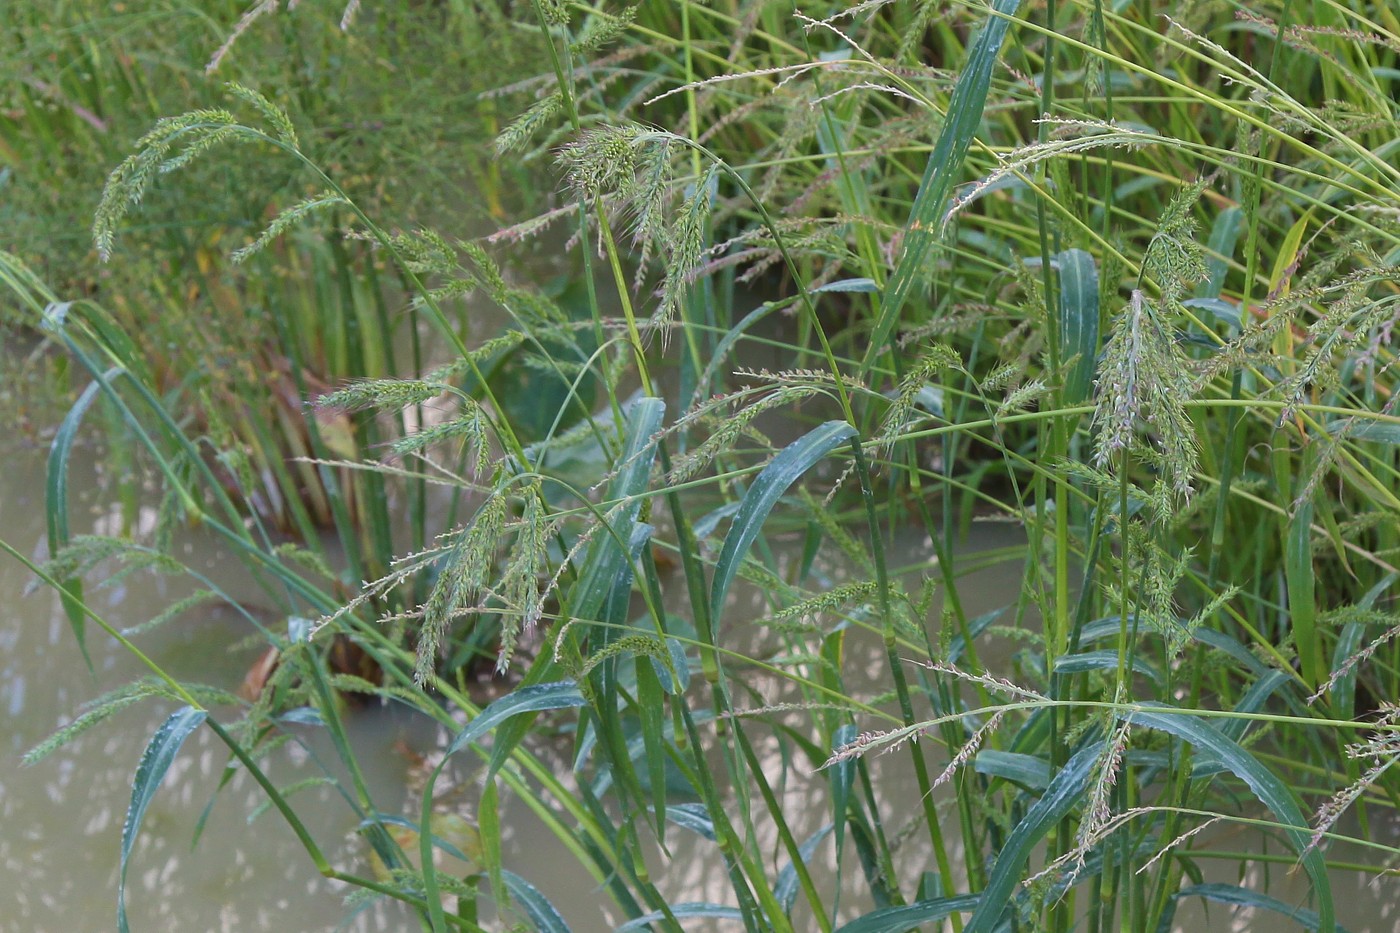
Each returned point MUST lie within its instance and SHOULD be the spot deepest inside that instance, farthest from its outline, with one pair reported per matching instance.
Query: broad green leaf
(791, 462)
(155, 761)
(910, 916)
(1223, 236)
(651, 711)
(1228, 645)
(607, 553)
(1270, 790)
(940, 172)
(604, 678)
(1103, 661)
(1079, 323)
(1243, 897)
(488, 824)
(975, 627)
(1364, 429)
(1343, 692)
(786, 888)
(847, 285)
(1252, 702)
(694, 817)
(1065, 790)
(843, 777)
(532, 699)
(1223, 310)
(1029, 771)
(683, 911)
(675, 680)
(1288, 255)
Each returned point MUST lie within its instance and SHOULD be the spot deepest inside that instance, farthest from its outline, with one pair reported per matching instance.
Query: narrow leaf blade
(1079, 322)
(1066, 789)
(959, 125)
(56, 505)
(1271, 791)
(791, 463)
(155, 762)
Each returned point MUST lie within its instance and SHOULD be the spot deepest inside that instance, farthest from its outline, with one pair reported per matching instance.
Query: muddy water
(60, 820)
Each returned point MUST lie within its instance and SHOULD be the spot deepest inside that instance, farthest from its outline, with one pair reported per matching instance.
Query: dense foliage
(839, 278)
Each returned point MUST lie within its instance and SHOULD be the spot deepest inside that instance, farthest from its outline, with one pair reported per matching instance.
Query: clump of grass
(1196, 624)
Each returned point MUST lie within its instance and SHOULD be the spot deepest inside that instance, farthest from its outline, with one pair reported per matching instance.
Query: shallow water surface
(60, 820)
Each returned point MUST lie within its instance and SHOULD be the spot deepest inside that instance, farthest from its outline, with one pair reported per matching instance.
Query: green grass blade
(1029, 771)
(1271, 791)
(1223, 236)
(488, 827)
(607, 553)
(651, 712)
(533, 699)
(843, 779)
(897, 919)
(959, 125)
(692, 816)
(1363, 429)
(1079, 323)
(1103, 661)
(155, 761)
(1302, 595)
(681, 912)
(541, 912)
(1065, 790)
(786, 888)
(784, 470)
(56, 506)
(1236, 896)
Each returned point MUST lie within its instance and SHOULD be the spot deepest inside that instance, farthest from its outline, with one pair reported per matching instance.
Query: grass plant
(1122, 274)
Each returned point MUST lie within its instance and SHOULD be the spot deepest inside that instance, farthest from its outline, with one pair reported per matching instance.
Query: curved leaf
(1065, 790)
(843, 778)
(791, 462)
(1103, 661)
(1224, 234)
(155, 761)
(898, 919)
(786, 888)
(607, 554)
(1029, 771)
(1271, 791)
(847, 285)
(680, 911)
(532, 699)
(56, 504)
(1365, 429)
(537, 907)
(694, 817)
(562, 694)
(1243, 897)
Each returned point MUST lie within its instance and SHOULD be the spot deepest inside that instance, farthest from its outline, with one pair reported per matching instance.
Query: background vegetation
(1123, 274)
